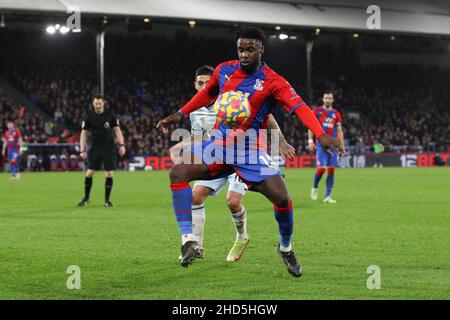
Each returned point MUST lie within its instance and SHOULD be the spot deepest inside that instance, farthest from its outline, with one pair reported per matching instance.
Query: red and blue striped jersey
(12, 140)
(265, 88)
(328, 119)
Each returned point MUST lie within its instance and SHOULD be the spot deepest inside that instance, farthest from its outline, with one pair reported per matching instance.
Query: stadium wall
(309, 161)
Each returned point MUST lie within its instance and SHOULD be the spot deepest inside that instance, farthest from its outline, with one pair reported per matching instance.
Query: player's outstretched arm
(308, 118)
(164, 124)
(203, 98)
(287, 151)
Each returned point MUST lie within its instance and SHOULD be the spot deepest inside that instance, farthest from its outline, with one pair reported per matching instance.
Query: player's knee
(90, 173)
(197, 199)
(234, 204)
(282, 201)
(109, 174)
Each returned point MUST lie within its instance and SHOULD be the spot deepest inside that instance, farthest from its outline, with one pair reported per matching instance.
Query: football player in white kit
(202, 124)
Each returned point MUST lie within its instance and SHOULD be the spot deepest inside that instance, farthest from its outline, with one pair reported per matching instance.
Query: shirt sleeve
(292, 102)
(19, 134)
(338, 118)
(85, 125)
(284, 93)
(114, 121)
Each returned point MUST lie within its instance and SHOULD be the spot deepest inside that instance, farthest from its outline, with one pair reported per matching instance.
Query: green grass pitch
(395, 218)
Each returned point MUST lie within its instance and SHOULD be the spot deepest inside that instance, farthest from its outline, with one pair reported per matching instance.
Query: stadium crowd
(406, 108)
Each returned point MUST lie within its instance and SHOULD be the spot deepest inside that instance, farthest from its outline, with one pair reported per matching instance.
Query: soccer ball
(232, 108)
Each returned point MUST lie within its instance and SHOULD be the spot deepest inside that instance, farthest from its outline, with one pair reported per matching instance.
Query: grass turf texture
(397, 219)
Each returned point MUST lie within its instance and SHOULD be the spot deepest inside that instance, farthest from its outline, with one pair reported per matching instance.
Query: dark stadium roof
(411, 16)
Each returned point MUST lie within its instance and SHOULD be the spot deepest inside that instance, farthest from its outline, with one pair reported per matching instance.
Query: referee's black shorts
(106, 156)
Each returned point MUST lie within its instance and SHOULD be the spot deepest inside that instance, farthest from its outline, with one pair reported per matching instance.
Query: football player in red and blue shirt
(264, 88)
(12, 144)
(327, 160)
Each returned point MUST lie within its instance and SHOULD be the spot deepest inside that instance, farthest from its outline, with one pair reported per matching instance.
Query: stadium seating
(145, 80)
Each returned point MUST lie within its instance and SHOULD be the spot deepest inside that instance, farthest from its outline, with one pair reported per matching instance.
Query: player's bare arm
(164, 124)
(328, 143)
(286, 150)
(311, 144)
(20, 145)
(119, 136)
(340, 136)
(4, 147)
(83, 144)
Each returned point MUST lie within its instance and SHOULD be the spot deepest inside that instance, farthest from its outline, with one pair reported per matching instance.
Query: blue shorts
(324, 159)
(251, 165)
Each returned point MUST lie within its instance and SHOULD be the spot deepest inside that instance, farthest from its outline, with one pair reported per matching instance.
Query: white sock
(284, 249)
(198, 222)
(187, 237)
(240, 223)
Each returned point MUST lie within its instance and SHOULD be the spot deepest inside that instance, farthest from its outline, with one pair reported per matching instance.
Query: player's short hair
(249, 32)
(204, 70)
(98, 96)
(328, 92)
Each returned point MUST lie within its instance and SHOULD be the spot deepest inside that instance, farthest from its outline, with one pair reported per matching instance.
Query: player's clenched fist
(164, 123)
(328, 143)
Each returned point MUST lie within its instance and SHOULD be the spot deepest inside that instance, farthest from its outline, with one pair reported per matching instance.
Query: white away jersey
(203, 121)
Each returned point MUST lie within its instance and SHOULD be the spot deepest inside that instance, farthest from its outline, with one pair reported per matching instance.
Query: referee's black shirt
(101, 128)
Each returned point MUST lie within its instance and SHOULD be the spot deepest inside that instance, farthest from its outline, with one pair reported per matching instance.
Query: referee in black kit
(103, 127)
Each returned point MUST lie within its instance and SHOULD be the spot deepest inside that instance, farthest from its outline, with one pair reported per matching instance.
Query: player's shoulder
(229, 63)
(274, 78)
(317, 108)
(337, 112)
(272, 74)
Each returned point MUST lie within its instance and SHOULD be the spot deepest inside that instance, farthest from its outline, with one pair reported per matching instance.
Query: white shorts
(216, 185)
